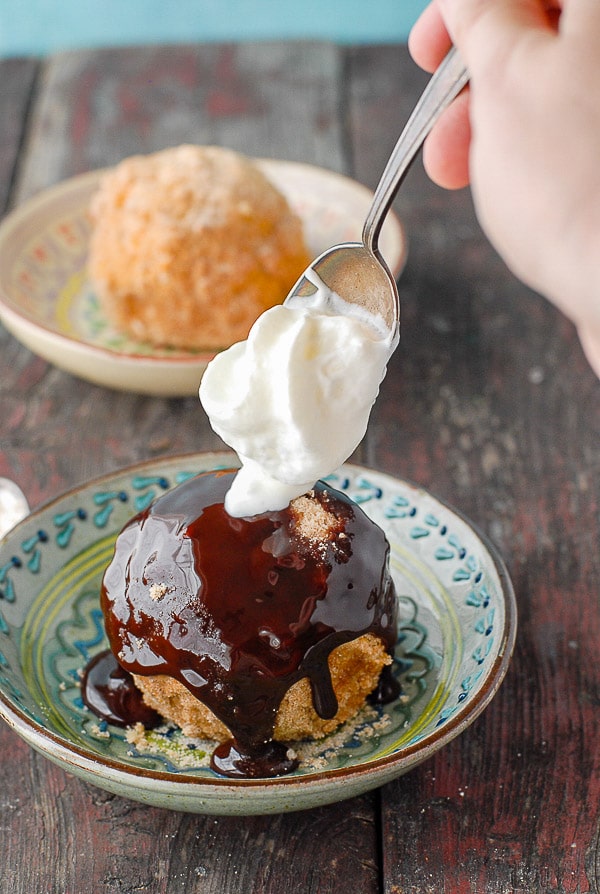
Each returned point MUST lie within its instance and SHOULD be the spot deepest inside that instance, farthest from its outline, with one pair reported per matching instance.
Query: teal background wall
(37, 27)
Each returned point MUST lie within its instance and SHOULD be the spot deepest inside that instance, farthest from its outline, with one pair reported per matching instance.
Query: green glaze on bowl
(458, 622)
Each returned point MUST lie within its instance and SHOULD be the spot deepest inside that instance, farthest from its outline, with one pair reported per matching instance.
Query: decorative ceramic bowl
(457, 630)
(46, 300)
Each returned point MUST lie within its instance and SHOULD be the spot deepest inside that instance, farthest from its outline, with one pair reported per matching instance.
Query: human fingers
(487, 31)
(581, 18)
(446, 149)
(428, 41)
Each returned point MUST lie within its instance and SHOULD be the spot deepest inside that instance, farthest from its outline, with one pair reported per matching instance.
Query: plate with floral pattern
(456, 635)
(48, 303)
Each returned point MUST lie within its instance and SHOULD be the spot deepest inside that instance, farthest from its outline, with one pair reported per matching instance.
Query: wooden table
(488, 402)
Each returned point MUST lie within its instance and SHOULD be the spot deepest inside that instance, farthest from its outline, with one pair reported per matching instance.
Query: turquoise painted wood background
(37, 27)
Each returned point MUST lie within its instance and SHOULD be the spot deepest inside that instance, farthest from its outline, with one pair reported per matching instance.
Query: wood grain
(96, 108)
(488, 402)
(91, 110)
(491, 405)
(17, 79)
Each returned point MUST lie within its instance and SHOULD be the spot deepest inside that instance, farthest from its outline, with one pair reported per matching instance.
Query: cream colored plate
(48, 304)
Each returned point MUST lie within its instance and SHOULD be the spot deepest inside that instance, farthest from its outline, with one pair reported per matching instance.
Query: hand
(527, 136)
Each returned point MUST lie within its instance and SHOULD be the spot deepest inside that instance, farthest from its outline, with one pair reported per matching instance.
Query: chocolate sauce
(271, 759)
(109, 691)
(238, 610)
(388, 688)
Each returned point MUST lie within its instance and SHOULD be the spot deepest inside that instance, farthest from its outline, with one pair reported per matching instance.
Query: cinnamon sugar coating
(355, 669)
(312, 521)
(271, 627)
(190, 245)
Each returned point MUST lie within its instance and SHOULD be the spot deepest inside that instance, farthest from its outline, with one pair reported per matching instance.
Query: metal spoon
(356, 271)
(13, 505)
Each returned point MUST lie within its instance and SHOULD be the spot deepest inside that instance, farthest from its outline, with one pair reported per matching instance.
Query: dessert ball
(190, 245)
(251, 631)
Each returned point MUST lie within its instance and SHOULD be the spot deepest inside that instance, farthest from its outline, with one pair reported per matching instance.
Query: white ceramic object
(13, 505)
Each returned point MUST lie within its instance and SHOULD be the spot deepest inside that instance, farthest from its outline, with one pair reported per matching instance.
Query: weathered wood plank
(98, 107)
(19, 369)
(118, 846)
(17, 77)
(92, 109)
(490, 404)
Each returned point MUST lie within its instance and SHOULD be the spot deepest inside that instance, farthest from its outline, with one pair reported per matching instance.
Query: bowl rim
(13, 315)
(464, 716)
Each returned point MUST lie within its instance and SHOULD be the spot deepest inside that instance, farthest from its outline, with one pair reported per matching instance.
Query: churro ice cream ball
(190, 245)
(252, 631)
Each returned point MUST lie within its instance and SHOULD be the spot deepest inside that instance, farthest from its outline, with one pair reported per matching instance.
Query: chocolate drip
(238, 610)
(272, 759)
(387, 689)
(109, 691)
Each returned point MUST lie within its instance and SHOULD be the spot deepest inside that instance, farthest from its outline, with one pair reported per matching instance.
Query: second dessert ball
(190, 245)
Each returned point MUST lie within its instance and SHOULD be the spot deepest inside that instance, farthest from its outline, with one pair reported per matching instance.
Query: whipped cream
(294, 399)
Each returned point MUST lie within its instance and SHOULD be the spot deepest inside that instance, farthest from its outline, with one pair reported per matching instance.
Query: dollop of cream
(294, 399)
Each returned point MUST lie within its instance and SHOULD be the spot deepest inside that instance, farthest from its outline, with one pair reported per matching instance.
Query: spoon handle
(444, 85)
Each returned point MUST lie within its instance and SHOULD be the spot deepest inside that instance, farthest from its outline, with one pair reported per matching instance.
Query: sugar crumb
(157, 591)
(312, 521)
(314, 755)
(99, 733)
(171, 743)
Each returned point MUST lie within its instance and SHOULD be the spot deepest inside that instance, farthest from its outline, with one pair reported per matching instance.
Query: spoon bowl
(357, 275)
(356, 272)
